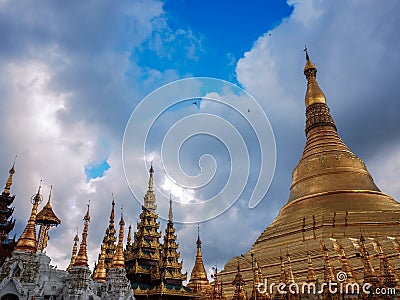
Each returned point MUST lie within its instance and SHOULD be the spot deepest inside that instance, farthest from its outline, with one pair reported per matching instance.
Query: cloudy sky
(72, 73)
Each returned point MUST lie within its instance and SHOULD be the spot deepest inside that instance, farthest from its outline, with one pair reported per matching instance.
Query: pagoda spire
(282, 277)
(74, 251)
(310, 273)
(170, 215)
(100, 273)
(238, 282)
(324, 150)
(370, 275)
(290, 276)
(118, 261)
(170, 267)
(150, 198)
(198, 278)
(143, 256)
(7, 188)
(7, 222)
(129, 238)
(82, 258)
(329, 275)
(27, 241)
(314, 94)
(110, 238)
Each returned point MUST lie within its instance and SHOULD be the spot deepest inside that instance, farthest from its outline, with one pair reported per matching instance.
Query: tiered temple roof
(7, 222)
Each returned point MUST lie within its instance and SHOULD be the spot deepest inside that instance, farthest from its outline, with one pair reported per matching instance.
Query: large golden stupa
(336, 218)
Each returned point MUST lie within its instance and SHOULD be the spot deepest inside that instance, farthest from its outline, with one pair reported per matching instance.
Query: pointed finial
(9, 180)
(170, 216)
(129, 238)
(51, 188)
(122, 222)
(362, 239)
(305, 49)
(151, 177)
(309, 65)
(87, 216)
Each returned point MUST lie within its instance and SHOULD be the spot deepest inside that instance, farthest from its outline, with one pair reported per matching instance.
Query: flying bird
(248, 110)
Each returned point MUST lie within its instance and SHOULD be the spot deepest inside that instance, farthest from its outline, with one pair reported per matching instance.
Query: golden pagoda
(143, 258)
(198, 282)
(82, 257)
(153, 268)
(46, 218)
(118, 261)
(74, 251)
(332, 197)
(27, 241)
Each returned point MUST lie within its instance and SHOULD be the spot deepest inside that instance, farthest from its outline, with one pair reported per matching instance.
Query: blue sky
(73, 72)
(224, 30)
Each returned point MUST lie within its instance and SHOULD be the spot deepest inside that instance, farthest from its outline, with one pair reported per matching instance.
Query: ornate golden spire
(314, 94)
(46, 218)
(310, 273)
(282, 278)
(328, 268)
(27, 241)
(82, 258)
(290, 276)
(198, 278)
(109, 240)
(129, 238)
(100, 273)
(238, 282)
(150, 198)
(170, 266)
(74, 251)
(170, 215)
(118, 261)
(327, 165)
(9, 180)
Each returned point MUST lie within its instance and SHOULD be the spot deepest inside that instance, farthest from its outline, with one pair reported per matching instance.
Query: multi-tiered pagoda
(153, 268)
(6, 220)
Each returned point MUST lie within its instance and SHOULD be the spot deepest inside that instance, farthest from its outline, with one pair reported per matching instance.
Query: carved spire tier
(82, 258)
(27, 241)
